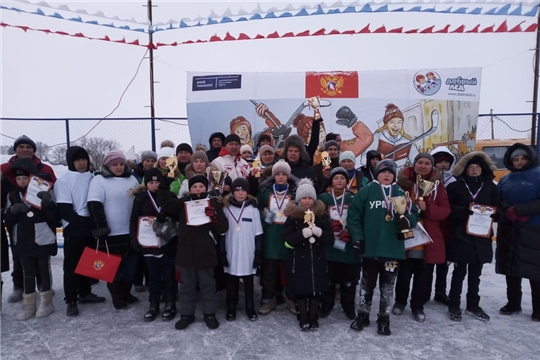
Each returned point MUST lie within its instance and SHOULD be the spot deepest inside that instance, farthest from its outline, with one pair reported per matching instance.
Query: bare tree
(42, 151)
(97, 148)
(57, 156)
(6, 150)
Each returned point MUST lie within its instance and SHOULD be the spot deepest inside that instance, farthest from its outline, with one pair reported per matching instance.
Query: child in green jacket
(374, 231)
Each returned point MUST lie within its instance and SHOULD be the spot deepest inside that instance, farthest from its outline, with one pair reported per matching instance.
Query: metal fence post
(68, 142)
(537, 133)
(153, 133)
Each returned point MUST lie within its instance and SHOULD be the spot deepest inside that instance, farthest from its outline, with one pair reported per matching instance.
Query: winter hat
(266, 148)
(339, 170)
(152, 174)
(165, 152)
(331, 136)
(331, 143)
(20, 172)
(305, 189)
(24, 140)
(198, 179)
(264, 137)
(391, 112)
(184, 147)
(240, 183)
(148, 154)
(518, 152)
(476, 160)
(166, 143)
(200, 155)
(230, 138)
(112, 156)
(424, 156)
(218, 135)
(80, 154)
(347, 155)
(281, 166)
(443, 156)
(386, 164)
(246, 148)
(238, 121)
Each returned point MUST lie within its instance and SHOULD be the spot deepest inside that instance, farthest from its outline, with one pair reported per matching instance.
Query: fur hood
(407, 177)
(533, 157)
(251, 200)
(136, 190)
(296, 212)
(268, 181)
(189, 170)
(298, 142)
(487, 165)
(443, 149)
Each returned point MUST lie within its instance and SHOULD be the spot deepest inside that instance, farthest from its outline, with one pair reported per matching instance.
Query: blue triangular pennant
(503, 10)
(366, 8)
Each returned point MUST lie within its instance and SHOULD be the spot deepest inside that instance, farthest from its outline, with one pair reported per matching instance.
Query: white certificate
(36, 185)
(421, 237)
(145, 234)
(480, 222)
(195, 215)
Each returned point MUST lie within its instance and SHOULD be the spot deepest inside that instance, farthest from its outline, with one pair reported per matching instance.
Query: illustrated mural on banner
(398, 113)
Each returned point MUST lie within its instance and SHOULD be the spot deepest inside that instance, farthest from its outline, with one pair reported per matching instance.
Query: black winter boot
(152, 312)
(169, 312)
(510, 309)
(184, 322)
(231, 310)
(313, 314)
(250, 310)
(72, 309)
(211, 321)
(361, 321)
(126, 293)
(116, 294)
(302, 307)
(383, 325)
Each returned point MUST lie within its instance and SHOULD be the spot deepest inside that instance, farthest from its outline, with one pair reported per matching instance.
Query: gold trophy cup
(218, 177)
(309, 218)
(326, 161)
(171, 163)
(425, 187)
(256, 164)
(400, 207)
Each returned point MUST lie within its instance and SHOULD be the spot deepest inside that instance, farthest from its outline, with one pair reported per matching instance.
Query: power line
(511, 128)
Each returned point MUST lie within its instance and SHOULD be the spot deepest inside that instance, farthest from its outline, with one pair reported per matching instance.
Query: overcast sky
(54, 76)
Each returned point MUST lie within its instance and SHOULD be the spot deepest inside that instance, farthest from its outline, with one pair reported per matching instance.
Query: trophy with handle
(326, 160)
(425, 188)
(256, 164)
(400, 205)
(171, 163)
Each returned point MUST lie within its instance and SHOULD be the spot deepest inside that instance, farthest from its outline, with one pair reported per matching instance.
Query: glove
(281, 130)
(166, 182)
(223, 259)
(468, 212)
(19, 208)
(101, 232)
(336, 226)
(45, 197)
(135, 245)
(403, 224)
(211, 212)
(511, 213)
(161, 217)
(346, 117)
(317, 231)
(257, 261)
(344, 236)
(359, 247)
(307, 232)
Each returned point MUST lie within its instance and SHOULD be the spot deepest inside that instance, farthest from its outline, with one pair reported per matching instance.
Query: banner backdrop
(399, 113)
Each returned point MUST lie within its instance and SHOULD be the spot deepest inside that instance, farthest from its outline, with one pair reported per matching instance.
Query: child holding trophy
(343, 263)
(307, 231)
(424, 182)
(199, 218)
(377, 234)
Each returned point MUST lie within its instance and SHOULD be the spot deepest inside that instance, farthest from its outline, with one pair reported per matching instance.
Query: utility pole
(151, 58)
(535, 86)
(492, 130)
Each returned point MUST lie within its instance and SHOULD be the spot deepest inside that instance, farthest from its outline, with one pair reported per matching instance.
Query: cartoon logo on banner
(428, 83)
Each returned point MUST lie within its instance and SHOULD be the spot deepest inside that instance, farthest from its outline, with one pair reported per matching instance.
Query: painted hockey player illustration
(392, 141)
(241, 127)
(362, 135)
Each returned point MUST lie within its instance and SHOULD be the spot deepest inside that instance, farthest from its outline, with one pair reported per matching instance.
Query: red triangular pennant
(412, 31)
(443, 30)
(229, 37)
(398, 30)
(243, 36)
(502, 28)
(474, 30)
(319, 32)
(428, 30)
(334, 32)
(303, 33)
(531, 28)
(381, 30)
(489, 29)
(365, 30)
(273, 35)
(459, 29)
(289, 34)
(215, 38)
(517, 28)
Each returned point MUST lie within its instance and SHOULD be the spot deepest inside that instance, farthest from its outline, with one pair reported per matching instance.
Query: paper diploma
(195, 215)
(36, 185)
(421, 237)
(480, 222)
(145, 234)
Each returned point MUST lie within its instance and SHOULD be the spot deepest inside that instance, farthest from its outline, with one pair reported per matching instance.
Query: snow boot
(361, 321)
(152, 312)
(250, 310)
(478, 313)
(91, 299)
(454, 313)
(211, 321)
(72, 309)
(510, 309)
(267, 306)
(45, 304)
(116, 294)
(442, 298)
(15, 296)
(126, 293)
(313, 314)
(231, 310)
(28, 307)
(398, 309)
(184, 322)
(383, 325)
(169, 312)
(302, 316)
(419, 315)
(291, 306)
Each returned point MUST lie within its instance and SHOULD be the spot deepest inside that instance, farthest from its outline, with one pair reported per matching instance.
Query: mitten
(166, 182)
(135, 245)
(257, 261)
(359, 247)
(19, 208)
(317, 231)
(161, 217)
(101, 232)
(45, 197)
(403, 224)
(468, 212)
(511, 213)
(337, 226)
(307, 232)
(211, 212)
(344, 236)
(223, 259)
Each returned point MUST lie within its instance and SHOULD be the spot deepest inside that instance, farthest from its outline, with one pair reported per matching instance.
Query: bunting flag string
(289, 11)
(503, 27)
(76, 35)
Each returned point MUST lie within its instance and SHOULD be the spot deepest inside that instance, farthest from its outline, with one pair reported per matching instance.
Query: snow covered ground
(102, 332)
